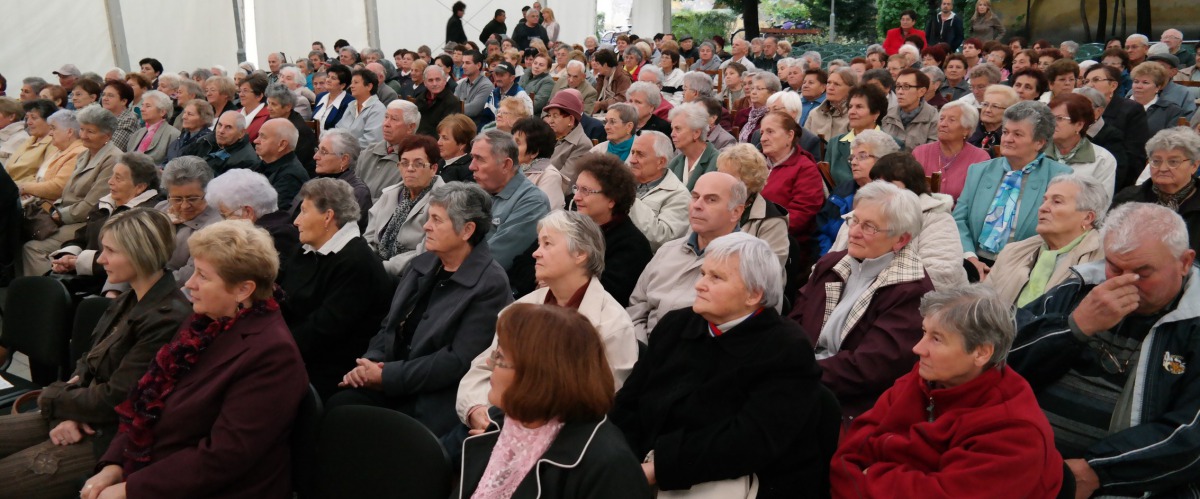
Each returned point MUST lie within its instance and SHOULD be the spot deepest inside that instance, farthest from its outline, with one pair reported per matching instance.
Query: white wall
(43, 35)
(182, 34)
(292, 25)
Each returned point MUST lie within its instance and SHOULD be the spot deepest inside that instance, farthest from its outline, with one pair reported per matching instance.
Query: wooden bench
(316, 128)
(826, 174)
(719, 76)
(934, 181)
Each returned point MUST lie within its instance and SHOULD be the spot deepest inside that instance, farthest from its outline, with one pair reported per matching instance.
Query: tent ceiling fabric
(69, 31)
(291, 26)
(410, 24)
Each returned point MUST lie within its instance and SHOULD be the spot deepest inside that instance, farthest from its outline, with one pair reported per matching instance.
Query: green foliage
(702, 25)
(855, 18)
(783, 10)
(889, 14)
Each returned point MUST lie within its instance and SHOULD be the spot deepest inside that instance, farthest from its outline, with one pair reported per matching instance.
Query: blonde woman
(986, 24)
(551, 25)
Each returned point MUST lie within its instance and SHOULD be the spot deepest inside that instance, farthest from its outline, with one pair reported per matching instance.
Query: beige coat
(88, 183)
(662, 214)
(827, 122)
(938, 246)
(772, 229)
(566, 152)
(585, 89)
(162, 139)
(412, 233)
(547, 178)
(1010, 274)
(668, 283)
(921, 130)
(62, 165)
(600, 308)
(23, 165)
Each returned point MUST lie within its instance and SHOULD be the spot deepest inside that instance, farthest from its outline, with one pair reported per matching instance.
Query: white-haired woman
(570, 259)
(47, 184)
(755, 394)
(184, 181)
(860, 307)
(867, 147)
(337, 290)
(335, 158)
(156, 137)
(243, 194)
(1067, 235)
(646, 98)
(1174, 161)
(689, 133)
(619, 123)
(951, 156)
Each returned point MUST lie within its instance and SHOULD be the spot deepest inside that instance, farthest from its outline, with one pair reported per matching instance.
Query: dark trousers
(33, 467)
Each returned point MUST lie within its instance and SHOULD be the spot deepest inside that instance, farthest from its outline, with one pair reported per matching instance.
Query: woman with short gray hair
(620, 122)
(951, 156)
(708, 59)
(52, 175)
(968, 332)
(336, 287)
(1174, 160)
(696, 86)
(335, 158)
(442, 316)
(689, 124)
(156, 137)
(999, 201)
(185, 180)
(242, 194)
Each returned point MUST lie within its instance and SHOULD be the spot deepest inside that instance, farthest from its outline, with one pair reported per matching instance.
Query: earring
(241, 306)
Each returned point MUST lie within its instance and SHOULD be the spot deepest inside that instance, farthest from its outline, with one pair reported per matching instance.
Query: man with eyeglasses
(912, 119)
(1136, 45)
(1173, 39)
(1127, 116)
(1111, 356)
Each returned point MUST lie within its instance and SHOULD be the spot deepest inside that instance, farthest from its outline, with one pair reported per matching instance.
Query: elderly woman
(364, 118)
(415, 361)
(996, 100)
(558, 406)
(336, 288)
(999, 198)
(212, 415)
(952, 423)
(1174, 160)
(860, 305)
(646, 97)
(759, 87)
(281, 103)
(33, 151)
(454, 136)
(707, 60)
(117, 98)
(185, 180)
(336, 158)
(332, 105)
(84, 189)
(396, 227)
(717, 135)
(1149, 78)
(867, 105)
(952, 155)
(512, 110)
(1067, 235)
(937, 245)
(689, 134)
(243, 194)
(78, 414)
(795, 182)
(865, 149)
(47, 183)
(156, 137)
(760, 218)
(1073, 116)
(571, 255)
(562, 55)
(742, 416)
(133, 184)
(195, 120)
(85, 93)
(535, 145)
(220, 92)
(252, 95)
(620, 121)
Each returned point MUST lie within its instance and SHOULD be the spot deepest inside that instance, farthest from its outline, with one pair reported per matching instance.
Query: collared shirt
(149, 137)
(339, 240)
(808, 105)
(643, 189)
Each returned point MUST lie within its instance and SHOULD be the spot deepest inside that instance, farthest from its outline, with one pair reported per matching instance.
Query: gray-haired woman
(82, 192)
(335, 158)
(53, 174)
(708, 60)
(156, 137)
(337, 290)
(194, 122)
(243, 194)
(1174, 160)
(620, 121)
(417, 358)
(185, 180)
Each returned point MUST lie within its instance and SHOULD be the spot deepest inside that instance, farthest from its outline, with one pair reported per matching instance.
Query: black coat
(432, 113)
(626, 253)
(1189, 209)
(454, 30)
(187, 144)
(586, 460)
(285, 235)
(458, 171)
(657, 124)
(286, 176)
(950, 32)
(1113, 141)
(716, 408)
(11, 219)
(1129, 118)
(240, 154)
(522, 34)
(306, 144)
(593, 128)
(493, 27)
(334, 305)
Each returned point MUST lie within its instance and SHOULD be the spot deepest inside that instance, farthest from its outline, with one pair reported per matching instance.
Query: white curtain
(650, 17)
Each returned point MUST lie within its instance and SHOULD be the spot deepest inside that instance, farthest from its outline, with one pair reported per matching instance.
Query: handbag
(37, 224)
(736, 488)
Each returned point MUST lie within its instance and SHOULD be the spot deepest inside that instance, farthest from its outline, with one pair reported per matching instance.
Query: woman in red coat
(896, 36)
(794, 182)
(212, 415)
(961, 424)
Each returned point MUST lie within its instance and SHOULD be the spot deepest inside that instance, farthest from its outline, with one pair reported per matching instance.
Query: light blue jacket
(515, 214)
(983, 182)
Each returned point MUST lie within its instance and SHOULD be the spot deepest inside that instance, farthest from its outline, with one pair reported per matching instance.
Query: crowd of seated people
(689, 272)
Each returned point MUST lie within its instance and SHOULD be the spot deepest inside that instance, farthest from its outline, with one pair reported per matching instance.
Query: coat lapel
(904, 268)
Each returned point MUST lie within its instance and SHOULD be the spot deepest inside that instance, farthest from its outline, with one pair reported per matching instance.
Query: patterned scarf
(756, 116)
(516, 452)
(143, 409)
(997, 225)
(389, 244)
(1173, 201)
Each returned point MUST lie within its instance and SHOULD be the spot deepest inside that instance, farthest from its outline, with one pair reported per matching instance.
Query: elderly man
(982, 76)
(434, 102)
(646, 98)
(294, 80)
(1172, 92)
(1127, 116)
(1173, 39)
(517, 204)
(563, 114)
(654, 76)
(504, 75)
(385, 93)
(474, 89)
(660, 210)
(668, 283)
(741, 52)
(275, 146)
(377, 165)
(227, 147)
(1111, 354)
(611, 81)
(525, 32)
(67, 76)
(1136, 45)
(577, 79)
(911, 120)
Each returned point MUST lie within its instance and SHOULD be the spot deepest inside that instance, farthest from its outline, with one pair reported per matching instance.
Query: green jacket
(707, 163)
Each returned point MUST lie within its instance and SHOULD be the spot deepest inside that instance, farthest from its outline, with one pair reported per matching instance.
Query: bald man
(385, 93)
(276, 145)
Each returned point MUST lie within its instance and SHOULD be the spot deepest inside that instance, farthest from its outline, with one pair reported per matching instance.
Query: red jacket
(894, 41)
(988, 439)
(254, 125)
(796, 185)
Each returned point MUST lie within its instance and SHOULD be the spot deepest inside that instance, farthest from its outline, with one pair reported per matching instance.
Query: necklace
(946, 161)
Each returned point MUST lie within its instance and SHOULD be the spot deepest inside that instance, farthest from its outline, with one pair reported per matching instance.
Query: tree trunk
(750, 18)
(1143, 15)
(1087, 27)
(1101, 34)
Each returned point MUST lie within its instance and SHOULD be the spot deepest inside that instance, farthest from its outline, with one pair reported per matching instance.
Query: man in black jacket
(275, 145)
(434, 101)
(494, 27)
(528, 30)
(454, 27)
(1127, 116)
(227, 147)
(945, 26)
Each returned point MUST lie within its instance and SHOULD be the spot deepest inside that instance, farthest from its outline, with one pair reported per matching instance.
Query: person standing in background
(454, 27)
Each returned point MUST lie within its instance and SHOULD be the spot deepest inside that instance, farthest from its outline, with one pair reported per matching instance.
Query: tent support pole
(116, 32)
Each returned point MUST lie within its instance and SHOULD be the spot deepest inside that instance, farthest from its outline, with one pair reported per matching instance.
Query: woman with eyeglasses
(1174, 160)
(996, 100)
(1149, 79)
(185, 180)
(1073, 115)
(866, 147)
(395, 229)
(336, 156)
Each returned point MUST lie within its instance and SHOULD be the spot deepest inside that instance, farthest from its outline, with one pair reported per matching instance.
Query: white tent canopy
(97, 35)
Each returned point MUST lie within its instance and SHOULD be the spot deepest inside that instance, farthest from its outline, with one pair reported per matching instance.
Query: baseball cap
(506, 67)
(68, 70)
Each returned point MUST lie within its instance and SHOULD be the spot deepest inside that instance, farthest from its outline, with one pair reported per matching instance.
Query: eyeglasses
(1096, 81)
(584, 191)
(993, 106)
(860, 157)
(231, 214)
(414, 165)
(1062, 119)
(190, 200)
(496, 360)
(867, 227)
(1170, 164)
(907, 87)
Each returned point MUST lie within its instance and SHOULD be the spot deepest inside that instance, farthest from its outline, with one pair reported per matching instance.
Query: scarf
(1043, 267)
(907, 117)
(389, 244)
(997, 225)
(143, 409)
(756, 116)
(621, 149)
(516, 452)
(1173, 201)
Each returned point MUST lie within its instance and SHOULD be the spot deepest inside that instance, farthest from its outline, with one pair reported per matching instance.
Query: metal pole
(372, 22)
(832, 21)
(239, 30)
(116, 34)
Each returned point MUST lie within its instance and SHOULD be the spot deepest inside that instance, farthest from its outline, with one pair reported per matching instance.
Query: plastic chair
(87, 314)
(36, 323)
(366, 451)
(305, 431)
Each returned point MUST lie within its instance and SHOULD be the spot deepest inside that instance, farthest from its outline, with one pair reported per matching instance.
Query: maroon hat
(568, 101)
